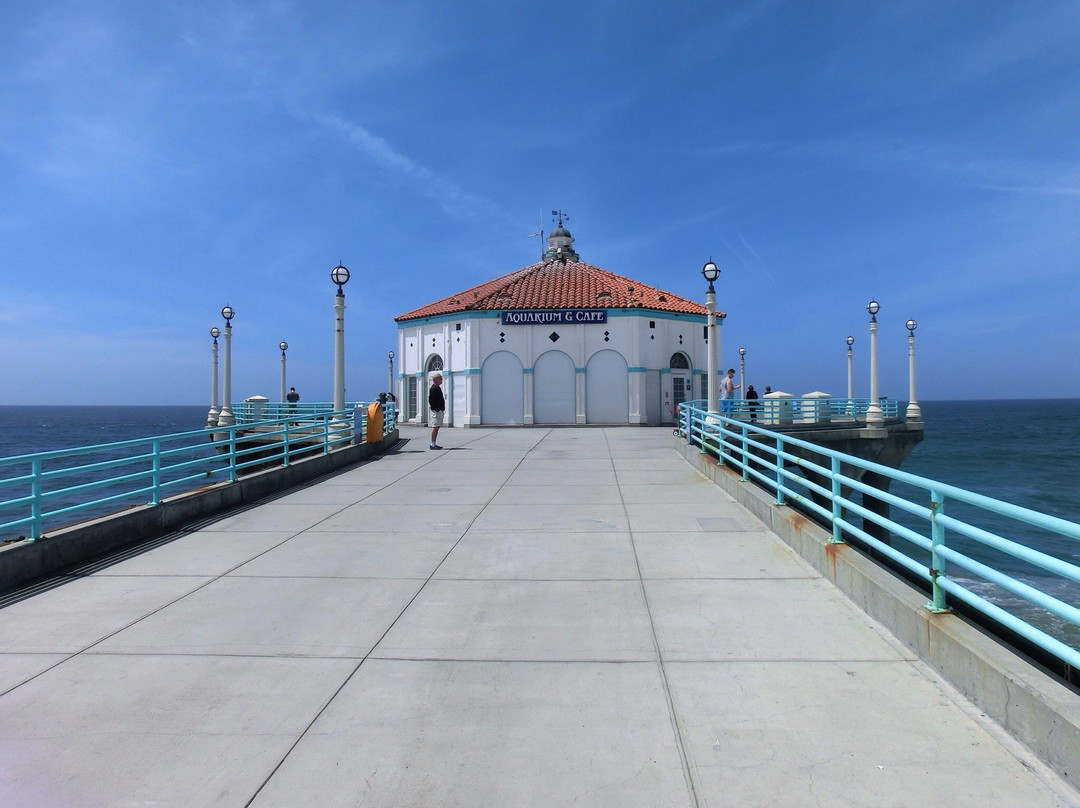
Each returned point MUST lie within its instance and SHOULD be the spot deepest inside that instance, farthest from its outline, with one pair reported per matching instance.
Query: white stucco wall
(464, 342)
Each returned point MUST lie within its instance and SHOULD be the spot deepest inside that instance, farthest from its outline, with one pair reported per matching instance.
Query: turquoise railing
(806, 410)
(931, 543)
(248, 411)
(48, 490)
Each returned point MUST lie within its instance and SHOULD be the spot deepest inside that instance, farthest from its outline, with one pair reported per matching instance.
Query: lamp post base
(874, 416)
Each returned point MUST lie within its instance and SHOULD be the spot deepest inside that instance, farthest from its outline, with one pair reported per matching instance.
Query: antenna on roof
(541, 234)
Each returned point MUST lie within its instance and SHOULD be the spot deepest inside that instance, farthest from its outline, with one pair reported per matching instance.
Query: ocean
(27, 429)
(1023, 452)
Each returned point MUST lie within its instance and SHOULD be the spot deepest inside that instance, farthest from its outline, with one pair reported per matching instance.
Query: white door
(554, 394)
(681, 390)
(682, 385)
(502, 390)
(607, 389)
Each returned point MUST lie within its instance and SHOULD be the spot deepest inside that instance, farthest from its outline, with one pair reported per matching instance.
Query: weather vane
(560, 216)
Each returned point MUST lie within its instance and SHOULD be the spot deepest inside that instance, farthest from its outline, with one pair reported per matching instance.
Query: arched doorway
(681, 384)
(434, 365)
(502, 390)
(554, 389)
(607, 389)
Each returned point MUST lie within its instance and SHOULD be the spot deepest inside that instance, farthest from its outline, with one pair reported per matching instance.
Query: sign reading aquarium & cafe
(554, 317)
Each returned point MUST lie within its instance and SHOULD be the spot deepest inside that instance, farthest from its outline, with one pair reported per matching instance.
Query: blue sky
(159, 160)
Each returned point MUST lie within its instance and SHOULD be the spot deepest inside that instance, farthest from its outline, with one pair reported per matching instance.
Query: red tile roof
(555, 285)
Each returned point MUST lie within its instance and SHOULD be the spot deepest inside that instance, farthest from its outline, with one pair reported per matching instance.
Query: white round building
(557, 342)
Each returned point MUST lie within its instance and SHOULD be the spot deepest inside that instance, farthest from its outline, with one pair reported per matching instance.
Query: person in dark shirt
(292, 398)
(437, 408)
(752, 399)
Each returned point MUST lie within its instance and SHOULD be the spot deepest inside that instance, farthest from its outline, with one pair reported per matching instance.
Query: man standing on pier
(727, 391)
(437, 406)
(292, 398)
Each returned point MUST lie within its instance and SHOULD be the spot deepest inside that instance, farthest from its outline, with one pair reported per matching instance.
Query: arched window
(682, 388)
(679, 361)
(434, 363)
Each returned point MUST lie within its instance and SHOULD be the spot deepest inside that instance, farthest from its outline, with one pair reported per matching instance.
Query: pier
(531, 617)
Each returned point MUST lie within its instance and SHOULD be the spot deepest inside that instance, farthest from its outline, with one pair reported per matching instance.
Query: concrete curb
(1035, 708)
(25, 561)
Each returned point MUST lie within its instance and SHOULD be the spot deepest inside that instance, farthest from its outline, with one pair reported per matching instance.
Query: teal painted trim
(665, 370)
(469, 371)
(698, 372)
(579, 370)
(526, 370)
(637, 370)
(658, 315)
(460, 317)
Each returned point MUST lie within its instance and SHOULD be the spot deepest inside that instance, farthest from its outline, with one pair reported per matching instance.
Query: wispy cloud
(452, 199)
(1039, 190)
(938, 161)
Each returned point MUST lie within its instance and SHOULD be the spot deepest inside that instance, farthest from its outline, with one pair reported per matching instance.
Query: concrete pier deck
(529, 618)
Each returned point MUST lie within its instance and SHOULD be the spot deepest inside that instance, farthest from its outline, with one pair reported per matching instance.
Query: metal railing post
(937, 563)
(232, 454)
(837, 510)
(155, 497)
(780, 500)
(745, 452)
(35, 506)
(285, 445)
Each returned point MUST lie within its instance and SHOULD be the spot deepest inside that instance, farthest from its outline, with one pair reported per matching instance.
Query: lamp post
(390, 377)
(226, 417)
(874, 415)
(914, 412)
(212, 415)
(711, 272)
(742, 372)
(850, 390)
(284, 347)
(340, 276)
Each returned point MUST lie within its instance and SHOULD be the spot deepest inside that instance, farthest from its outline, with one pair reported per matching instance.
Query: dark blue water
(1024, 452)
(38, 429)
(27, 430)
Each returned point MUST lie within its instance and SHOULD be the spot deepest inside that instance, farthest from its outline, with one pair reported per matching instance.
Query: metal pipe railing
(46, 490)
(822, 482)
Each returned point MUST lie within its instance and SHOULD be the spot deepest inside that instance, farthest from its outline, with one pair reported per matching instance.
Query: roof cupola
(560, 242)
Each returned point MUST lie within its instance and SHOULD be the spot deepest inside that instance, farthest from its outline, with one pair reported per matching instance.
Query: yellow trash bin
(374, 423)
